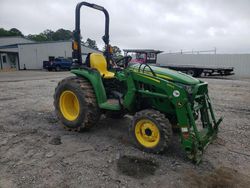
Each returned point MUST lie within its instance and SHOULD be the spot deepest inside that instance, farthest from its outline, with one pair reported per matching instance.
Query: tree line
(50, 35)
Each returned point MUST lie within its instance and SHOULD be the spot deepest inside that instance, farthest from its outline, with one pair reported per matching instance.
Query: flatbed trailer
(197, 71)
(149, 56)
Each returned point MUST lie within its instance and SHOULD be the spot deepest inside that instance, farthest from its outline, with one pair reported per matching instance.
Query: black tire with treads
(162, 124)
(89, 110)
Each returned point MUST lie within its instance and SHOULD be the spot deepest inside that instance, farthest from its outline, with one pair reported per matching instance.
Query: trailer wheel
(199, 72)
(191, 72)
(194, 72)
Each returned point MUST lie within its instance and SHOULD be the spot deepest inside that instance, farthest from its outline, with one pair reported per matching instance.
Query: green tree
(62, 34)
(91, 43)
(116, 51)
(15, 32)
(48, 34)
(38, 38)
(3, 32)
(11, 32)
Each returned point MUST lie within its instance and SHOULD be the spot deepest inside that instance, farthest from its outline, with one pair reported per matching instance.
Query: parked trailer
(149, 56)
(196, 71)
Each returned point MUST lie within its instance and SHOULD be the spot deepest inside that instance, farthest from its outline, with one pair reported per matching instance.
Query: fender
(96, 81)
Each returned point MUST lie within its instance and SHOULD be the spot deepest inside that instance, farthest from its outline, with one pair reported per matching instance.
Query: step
(113, 101)
(111, 104)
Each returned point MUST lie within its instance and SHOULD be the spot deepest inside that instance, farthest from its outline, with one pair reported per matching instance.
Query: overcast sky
(168, 25)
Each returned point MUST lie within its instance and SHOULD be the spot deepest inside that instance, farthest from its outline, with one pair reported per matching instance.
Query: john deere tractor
(158, 98)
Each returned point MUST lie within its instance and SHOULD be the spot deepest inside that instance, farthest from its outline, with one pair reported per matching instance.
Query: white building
(9, 51)
(20, 53)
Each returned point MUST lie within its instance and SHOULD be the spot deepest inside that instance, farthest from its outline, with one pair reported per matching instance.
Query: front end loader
(159, 99)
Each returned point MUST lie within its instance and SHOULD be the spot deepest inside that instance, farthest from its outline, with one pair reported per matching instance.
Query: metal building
(19, 53)
(240, 62)
(9, 52)
(4, 41)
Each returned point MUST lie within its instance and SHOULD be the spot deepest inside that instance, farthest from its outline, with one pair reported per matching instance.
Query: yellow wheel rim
(69, 105)
(147, 133)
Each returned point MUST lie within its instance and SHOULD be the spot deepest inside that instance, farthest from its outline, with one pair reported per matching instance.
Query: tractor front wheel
(75, 104)
(151, 131)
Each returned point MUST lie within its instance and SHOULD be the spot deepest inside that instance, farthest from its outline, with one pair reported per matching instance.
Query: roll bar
(76, 46)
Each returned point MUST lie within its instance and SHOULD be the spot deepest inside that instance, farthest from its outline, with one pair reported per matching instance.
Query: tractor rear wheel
(75, 104)
(151, 131)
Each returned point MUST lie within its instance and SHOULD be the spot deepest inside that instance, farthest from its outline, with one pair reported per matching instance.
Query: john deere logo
(176, 93)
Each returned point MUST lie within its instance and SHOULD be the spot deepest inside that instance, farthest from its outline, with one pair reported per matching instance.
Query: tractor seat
(98, 61)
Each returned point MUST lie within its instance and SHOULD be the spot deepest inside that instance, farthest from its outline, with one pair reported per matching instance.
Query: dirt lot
(35, 151)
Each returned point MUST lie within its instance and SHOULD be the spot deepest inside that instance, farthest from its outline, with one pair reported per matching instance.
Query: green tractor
(158, 98)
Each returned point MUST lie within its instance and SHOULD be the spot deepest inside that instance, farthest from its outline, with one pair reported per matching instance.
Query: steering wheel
(123, 62)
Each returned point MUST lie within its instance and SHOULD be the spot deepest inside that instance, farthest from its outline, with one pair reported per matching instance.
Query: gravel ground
(35, 151)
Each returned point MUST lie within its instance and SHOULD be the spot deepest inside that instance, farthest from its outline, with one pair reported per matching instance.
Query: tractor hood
(166, 73)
